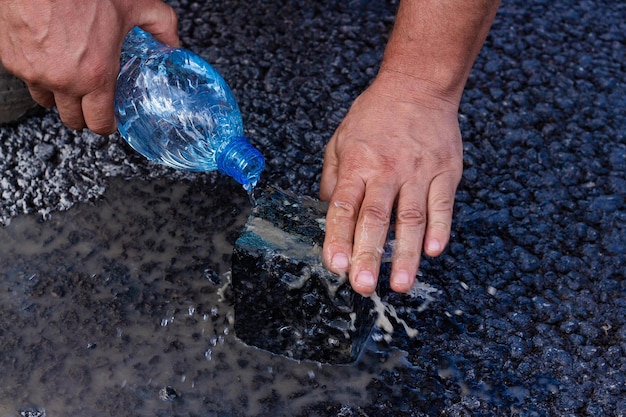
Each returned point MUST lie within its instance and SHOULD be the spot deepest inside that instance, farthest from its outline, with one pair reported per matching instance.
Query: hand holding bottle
(68, 51)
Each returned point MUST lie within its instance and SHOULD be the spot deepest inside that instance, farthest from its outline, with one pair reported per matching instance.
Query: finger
(340, 223)
(98, 111)
(70, 111)
(370, 235)
(440, 210)
(409, 232)
(159, 19)
(329, 173)
(41, 96)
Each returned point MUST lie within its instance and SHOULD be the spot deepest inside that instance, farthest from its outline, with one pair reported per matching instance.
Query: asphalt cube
(286, 301)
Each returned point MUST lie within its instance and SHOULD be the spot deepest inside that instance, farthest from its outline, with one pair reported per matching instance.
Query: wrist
(434, 43)
(408, 87)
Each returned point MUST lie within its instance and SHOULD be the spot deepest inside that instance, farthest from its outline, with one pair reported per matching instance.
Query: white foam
(385, 310)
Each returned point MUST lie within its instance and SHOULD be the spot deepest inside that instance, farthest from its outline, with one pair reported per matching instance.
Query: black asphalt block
(286, 301)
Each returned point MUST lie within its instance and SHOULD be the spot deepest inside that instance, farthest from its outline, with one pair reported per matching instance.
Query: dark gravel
(531, 320)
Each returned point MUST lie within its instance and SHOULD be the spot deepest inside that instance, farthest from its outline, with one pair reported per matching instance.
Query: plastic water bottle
(174, 108)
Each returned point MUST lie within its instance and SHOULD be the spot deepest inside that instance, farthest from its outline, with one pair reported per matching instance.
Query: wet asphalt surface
(531, 317)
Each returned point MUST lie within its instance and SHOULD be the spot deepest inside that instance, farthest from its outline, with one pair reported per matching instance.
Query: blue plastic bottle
(174, 108)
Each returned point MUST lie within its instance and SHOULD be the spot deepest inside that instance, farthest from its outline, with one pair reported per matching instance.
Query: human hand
(396, 146)
(68, 51)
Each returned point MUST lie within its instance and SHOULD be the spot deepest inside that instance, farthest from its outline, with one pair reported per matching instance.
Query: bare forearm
(434, 44)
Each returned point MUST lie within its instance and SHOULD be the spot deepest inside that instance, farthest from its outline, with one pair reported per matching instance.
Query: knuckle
(367, 257)
(440, 225)
(59, 78)
(343, 210)
(441, 212)
(375, 214)
(101, 127)
(97, 73)
(339, 239)
(352, 165)
(388, 164)
(56, 82)
(31, 76)
(73, 123)
(409, 253)
(411, 215)
(450, 162)
(443, 201)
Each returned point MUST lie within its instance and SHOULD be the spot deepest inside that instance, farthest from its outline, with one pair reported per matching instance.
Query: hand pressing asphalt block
(286, 301)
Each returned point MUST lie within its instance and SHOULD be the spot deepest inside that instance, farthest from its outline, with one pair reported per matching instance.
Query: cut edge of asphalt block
(286, 301)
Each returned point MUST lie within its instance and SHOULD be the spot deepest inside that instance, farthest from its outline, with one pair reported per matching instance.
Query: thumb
(159, 19)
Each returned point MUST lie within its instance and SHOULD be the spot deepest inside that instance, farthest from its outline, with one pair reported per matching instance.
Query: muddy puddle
(121, 307)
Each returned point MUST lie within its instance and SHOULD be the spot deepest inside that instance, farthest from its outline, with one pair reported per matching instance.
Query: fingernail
(339, 261)
(401, 278)
(434, 245)
(365, 279)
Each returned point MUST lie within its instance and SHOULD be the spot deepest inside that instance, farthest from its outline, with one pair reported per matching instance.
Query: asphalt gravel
(531, 318)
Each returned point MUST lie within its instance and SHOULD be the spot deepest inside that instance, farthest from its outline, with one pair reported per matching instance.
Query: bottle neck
(138, 43)
(242, 161)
